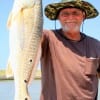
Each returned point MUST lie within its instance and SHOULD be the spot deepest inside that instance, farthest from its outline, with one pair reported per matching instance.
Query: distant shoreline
(3, 76)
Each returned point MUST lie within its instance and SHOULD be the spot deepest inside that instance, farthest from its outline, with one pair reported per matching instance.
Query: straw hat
(51, 10)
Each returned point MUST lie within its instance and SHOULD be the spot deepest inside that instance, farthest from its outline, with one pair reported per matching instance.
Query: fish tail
(9, 71)
(36, 62)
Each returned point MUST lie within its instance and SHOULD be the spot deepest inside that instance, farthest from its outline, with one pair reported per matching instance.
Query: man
(70, 59)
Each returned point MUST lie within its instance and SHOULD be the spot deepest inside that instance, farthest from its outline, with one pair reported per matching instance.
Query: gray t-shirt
(69, 68)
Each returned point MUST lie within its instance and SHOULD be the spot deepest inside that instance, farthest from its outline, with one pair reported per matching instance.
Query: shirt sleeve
(45, 43)
(98, 55)
(98, 70)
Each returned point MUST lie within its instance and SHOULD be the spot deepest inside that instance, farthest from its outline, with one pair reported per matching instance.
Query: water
(7, 90)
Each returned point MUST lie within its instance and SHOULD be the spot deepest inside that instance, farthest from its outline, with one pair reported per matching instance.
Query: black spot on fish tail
(25, 81)
(26, 99)
(30, 60)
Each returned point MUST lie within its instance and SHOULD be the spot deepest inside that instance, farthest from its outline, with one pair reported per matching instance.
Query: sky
(91, 26)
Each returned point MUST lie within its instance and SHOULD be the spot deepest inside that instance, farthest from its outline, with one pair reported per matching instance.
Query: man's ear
(84, 16)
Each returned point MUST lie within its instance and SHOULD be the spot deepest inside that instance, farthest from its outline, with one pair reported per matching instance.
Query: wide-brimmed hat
(52, 10)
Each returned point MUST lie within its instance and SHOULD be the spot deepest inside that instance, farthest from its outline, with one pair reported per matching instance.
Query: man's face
(71, 19)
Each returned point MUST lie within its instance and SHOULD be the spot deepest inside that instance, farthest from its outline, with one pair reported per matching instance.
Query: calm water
(7, 90)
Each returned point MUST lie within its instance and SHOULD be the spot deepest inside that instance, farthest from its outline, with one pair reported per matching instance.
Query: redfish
(25, 24)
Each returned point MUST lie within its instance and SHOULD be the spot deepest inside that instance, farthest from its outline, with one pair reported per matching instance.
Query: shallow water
(7, 90)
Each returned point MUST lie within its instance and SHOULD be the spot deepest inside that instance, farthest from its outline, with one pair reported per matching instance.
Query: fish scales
(25, 27)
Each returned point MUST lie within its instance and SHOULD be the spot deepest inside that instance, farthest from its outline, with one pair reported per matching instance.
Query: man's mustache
(70, 21)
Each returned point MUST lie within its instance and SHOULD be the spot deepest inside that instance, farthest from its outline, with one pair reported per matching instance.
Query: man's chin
(71, 29)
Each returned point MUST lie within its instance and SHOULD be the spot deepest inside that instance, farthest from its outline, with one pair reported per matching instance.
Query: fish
(8, 71)
(25, 25)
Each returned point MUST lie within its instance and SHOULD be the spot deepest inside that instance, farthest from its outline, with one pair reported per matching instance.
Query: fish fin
(36, 62)
(9, 71)
(14, 16)
(9, 20)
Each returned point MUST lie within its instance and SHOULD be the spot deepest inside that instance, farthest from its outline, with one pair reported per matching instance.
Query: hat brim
(51, 10)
